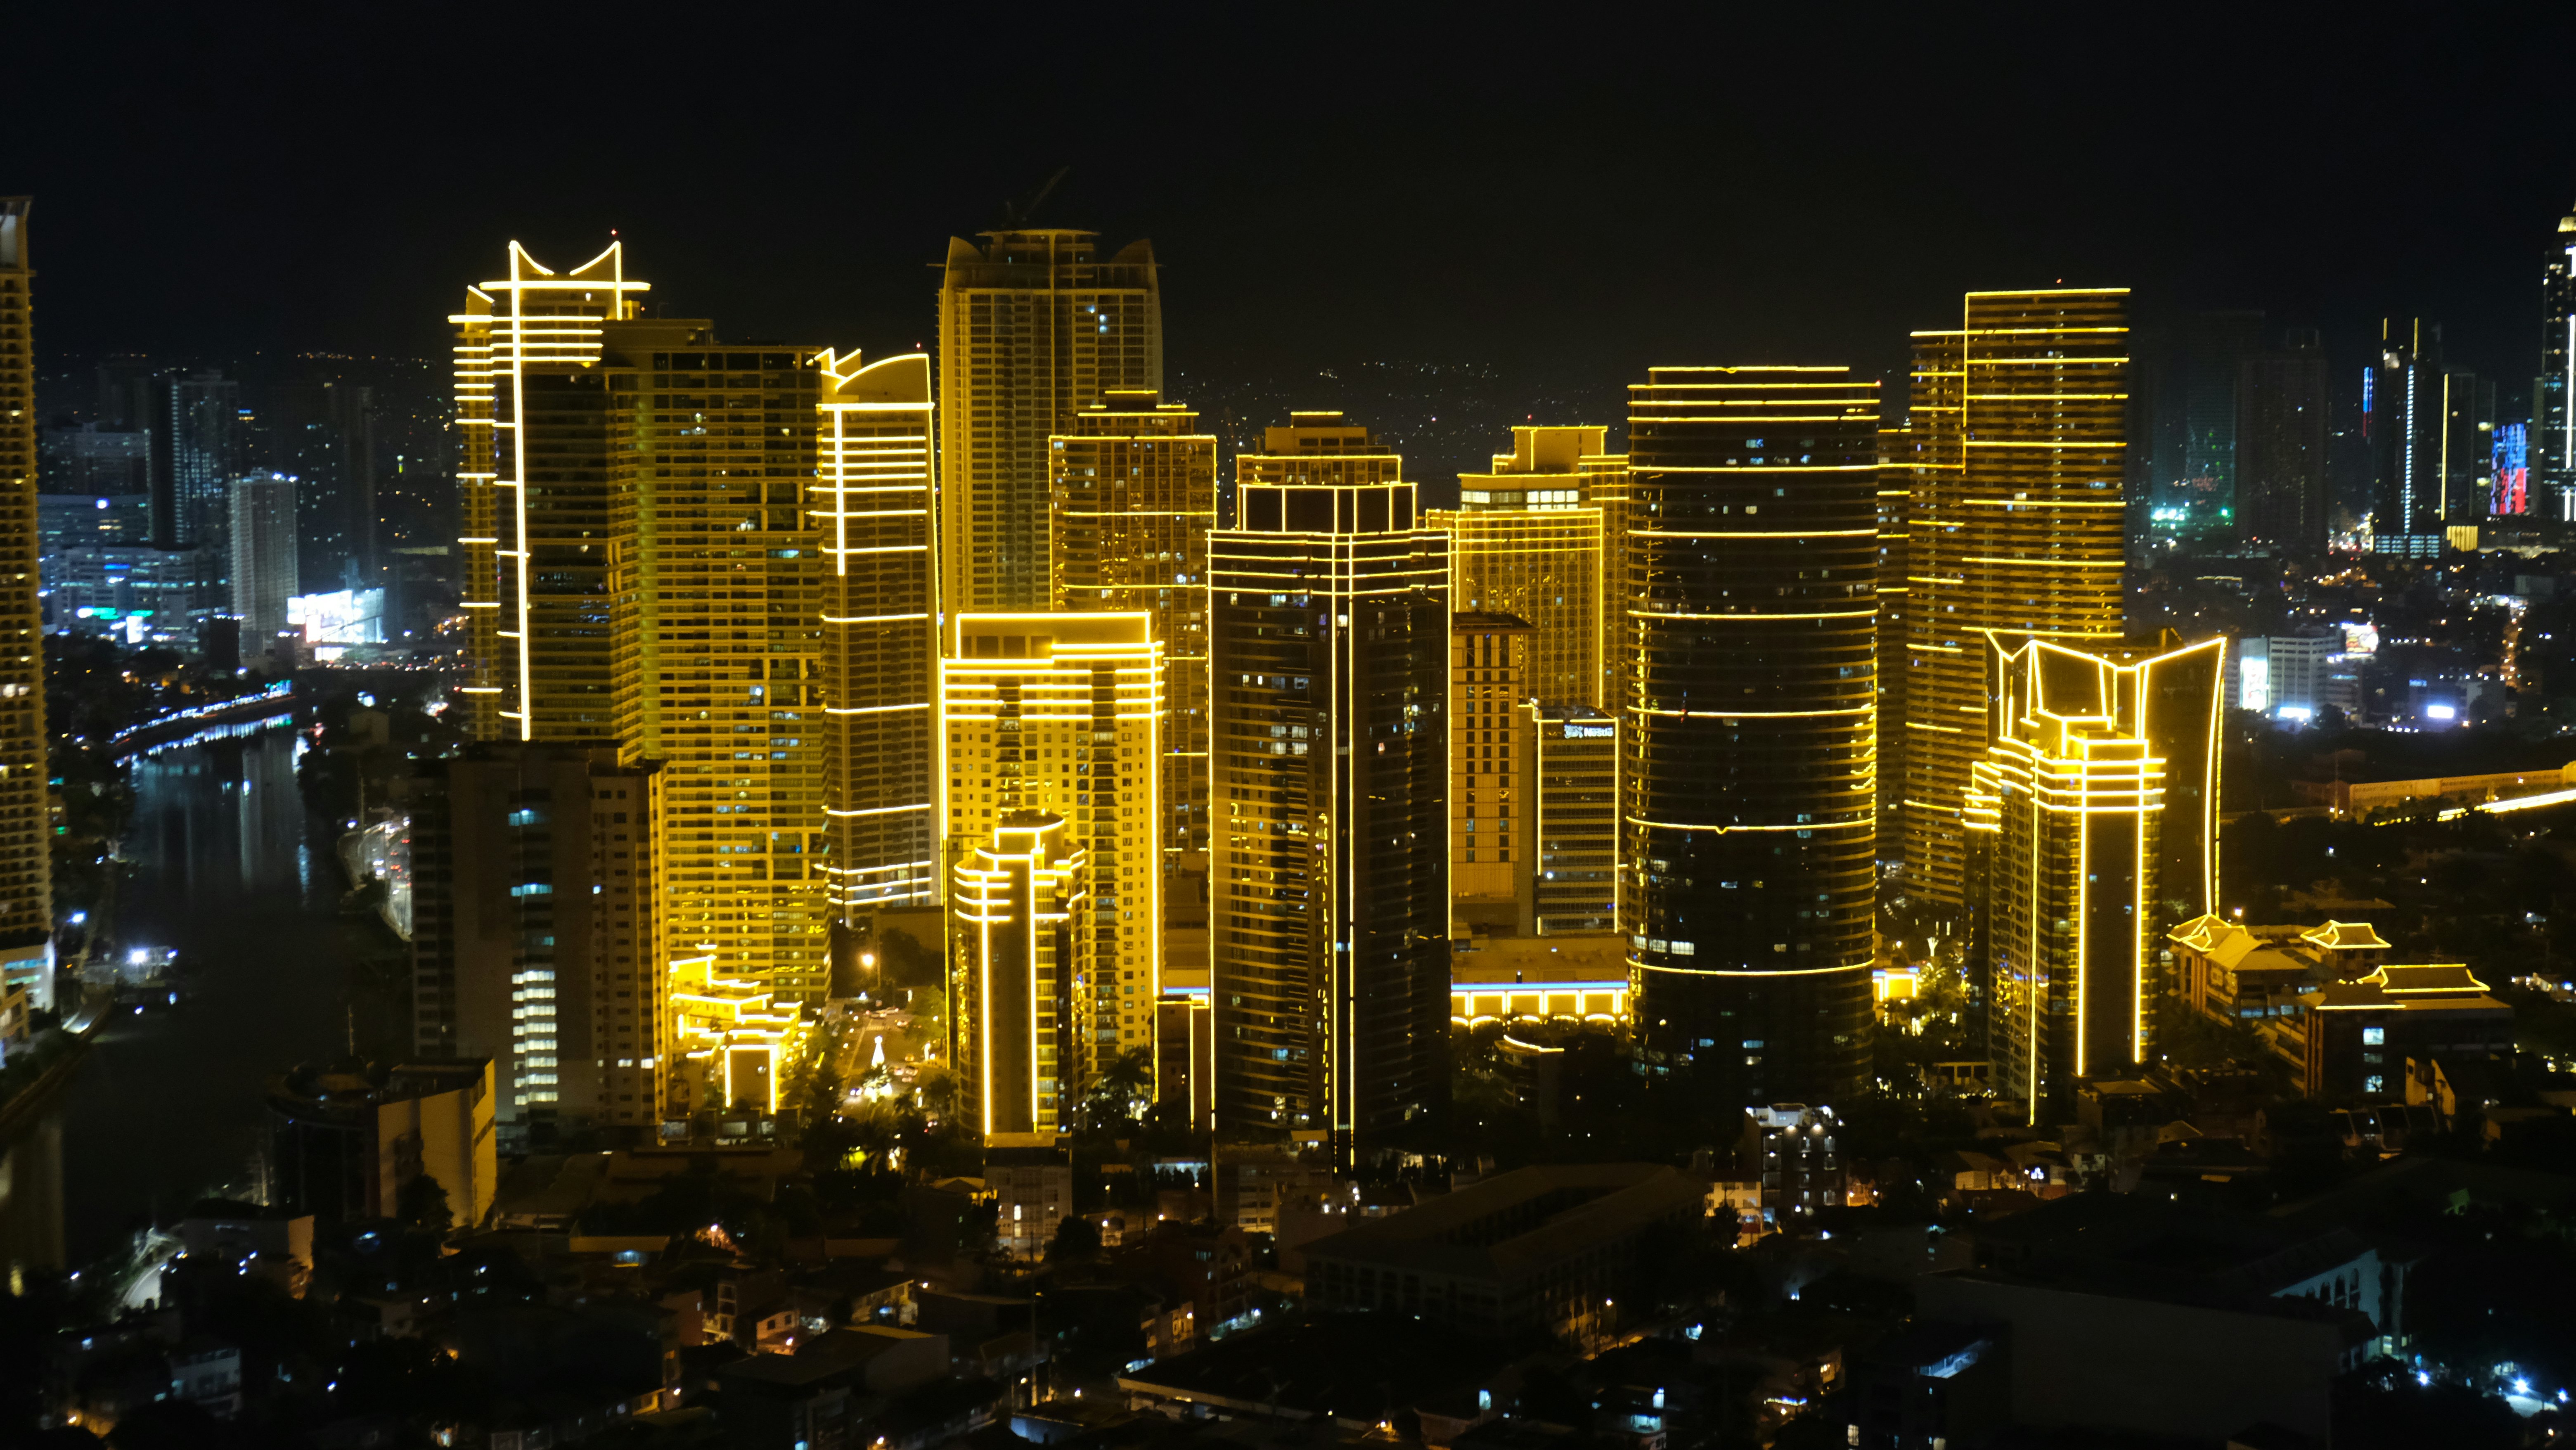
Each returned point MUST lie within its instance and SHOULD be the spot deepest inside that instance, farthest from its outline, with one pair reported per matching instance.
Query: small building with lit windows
(2361, 1034)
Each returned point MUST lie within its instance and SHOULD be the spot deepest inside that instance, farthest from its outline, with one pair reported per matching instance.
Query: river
(229, 871)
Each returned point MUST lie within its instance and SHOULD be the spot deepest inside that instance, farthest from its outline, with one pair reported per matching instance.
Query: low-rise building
(2360, 1035)
(1545, 1248)
(1789, 1148)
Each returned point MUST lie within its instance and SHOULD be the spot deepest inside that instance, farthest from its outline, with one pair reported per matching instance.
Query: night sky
(1569, 199)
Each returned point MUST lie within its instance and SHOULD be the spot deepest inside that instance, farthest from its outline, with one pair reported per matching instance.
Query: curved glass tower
(1748, 634)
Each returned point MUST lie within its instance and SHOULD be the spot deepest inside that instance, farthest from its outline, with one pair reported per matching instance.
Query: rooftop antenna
(1016, 215)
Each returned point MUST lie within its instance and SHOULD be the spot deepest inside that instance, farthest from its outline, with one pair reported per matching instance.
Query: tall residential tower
(2017, 501)
(26, 844)
(1746, 776)
(1328, 801)
(1033, 328)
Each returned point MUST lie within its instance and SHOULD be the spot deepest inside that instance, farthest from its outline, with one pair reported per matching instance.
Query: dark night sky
(1574, 196)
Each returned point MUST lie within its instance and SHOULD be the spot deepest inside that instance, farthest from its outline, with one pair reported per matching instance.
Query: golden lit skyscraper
(26, 866)
(1895, 548)
(1062, 713)
(1490, 665)
(1329, 653)
(1576, 796)
(871, 505)
(1033, 328)
(532, 480)
(1021, 969)
(1135, 496)
(1527, 539)
(2018, 420)
(654, 578)
(1746, 782)
(2092, 807)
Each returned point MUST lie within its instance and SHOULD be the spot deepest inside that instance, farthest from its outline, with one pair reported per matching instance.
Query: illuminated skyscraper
(871, 505)
(1527, 539)
(1746, 780)
(643, 567)
(1135, 496)
(26, 875)
(1063, 713)
(196, 451)
(263, 557)
(2553, 392)
(1033, 328)
(1329, 794)
(1022, 975)
(1490, 755)
(2092, 808)
(532, 479)
(1895, 550)
(2019, 423)
(2431, 434)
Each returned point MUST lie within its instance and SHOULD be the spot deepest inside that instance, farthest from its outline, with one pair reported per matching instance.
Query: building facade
(1329, 922)
(197, 451)
(2281, 406)
(1021, 974)
(2093, 811)
(1529, 540)
(26, 843)
(2553, 390)
(1033, 329)
(1063, 714)
(1746, 779)
(880, 635)
(1134, 499)
(534, 899)
(264, 565)
(2019, 420)
(1576, 750)
(1491, 753)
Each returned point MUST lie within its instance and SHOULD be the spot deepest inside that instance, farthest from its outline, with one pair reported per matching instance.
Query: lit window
(2373, 1036)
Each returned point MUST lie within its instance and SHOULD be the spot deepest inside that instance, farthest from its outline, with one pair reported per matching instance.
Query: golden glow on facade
(26, 868)
(880, 644)
(1033, 329)
(1576, 888)
(1329, 916)
(2094, 803)
(731, 1033)
(528, 350)
(1492, 765)
(1135, 496)
(1062, 713)
(2017, 505)
(1022, 975)
(1527, 539)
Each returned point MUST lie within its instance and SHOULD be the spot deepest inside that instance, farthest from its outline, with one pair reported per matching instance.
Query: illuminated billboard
(2512, 493)
(334, 621)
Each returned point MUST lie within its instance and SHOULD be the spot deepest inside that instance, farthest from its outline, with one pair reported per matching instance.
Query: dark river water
(228, 870)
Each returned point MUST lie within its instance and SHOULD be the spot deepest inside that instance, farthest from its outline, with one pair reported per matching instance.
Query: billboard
(2512, 492)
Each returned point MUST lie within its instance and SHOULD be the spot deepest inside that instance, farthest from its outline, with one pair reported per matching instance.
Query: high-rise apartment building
(1329, 917)
(2553, 391)
(533, 938)
(1033, 329)
(1577, 803)
(324, 432)
(871, 505)
(264, 565)
(1023, 975)
(99, 462)
(26, 843)
(197, 452)
(1746, 777)
(1063, 714)
(1528, 539)
(2093, 809)
(644, 566)
(2019, 423)
(1895, 554)
(1134, 498)
(2281, 406)
(1491, 665)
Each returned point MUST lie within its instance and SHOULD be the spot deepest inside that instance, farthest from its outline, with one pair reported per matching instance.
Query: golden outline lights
(1023, 974)
(2094, 802)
